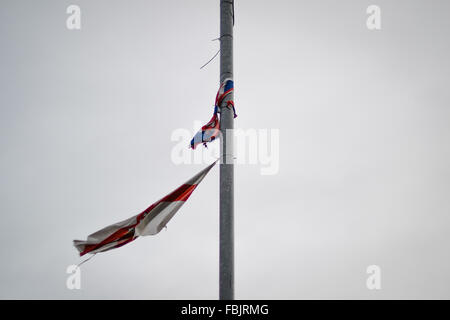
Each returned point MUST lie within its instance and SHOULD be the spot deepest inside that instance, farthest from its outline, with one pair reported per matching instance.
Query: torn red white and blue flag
(210, 131)
(226, 87)
(149, 222)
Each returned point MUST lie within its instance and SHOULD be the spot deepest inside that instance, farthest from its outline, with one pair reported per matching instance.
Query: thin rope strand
(78, 265)
(210, 60)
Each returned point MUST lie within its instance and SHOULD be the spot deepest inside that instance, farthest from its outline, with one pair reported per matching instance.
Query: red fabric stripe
(120, 234)
(180, 194)
(125, 242)
(121, 242)
(115, 236)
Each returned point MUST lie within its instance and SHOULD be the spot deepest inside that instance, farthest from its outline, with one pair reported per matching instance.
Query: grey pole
(226, 220)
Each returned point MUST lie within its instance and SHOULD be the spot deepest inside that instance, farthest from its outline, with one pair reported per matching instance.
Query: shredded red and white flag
(149, 222)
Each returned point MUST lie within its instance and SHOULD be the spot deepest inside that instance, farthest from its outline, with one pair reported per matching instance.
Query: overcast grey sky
(86, 118)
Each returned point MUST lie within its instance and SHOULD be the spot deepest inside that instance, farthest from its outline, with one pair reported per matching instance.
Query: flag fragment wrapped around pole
(149, 222)
(210, 131)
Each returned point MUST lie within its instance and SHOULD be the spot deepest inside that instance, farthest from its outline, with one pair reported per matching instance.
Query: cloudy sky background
(86, 119)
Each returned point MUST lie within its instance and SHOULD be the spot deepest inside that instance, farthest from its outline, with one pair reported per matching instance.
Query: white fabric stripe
(157, 219)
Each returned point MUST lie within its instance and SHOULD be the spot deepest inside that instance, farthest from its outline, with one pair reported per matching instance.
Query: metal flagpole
(226, 252)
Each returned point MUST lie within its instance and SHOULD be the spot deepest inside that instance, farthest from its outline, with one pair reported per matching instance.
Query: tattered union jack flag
(210, 131)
